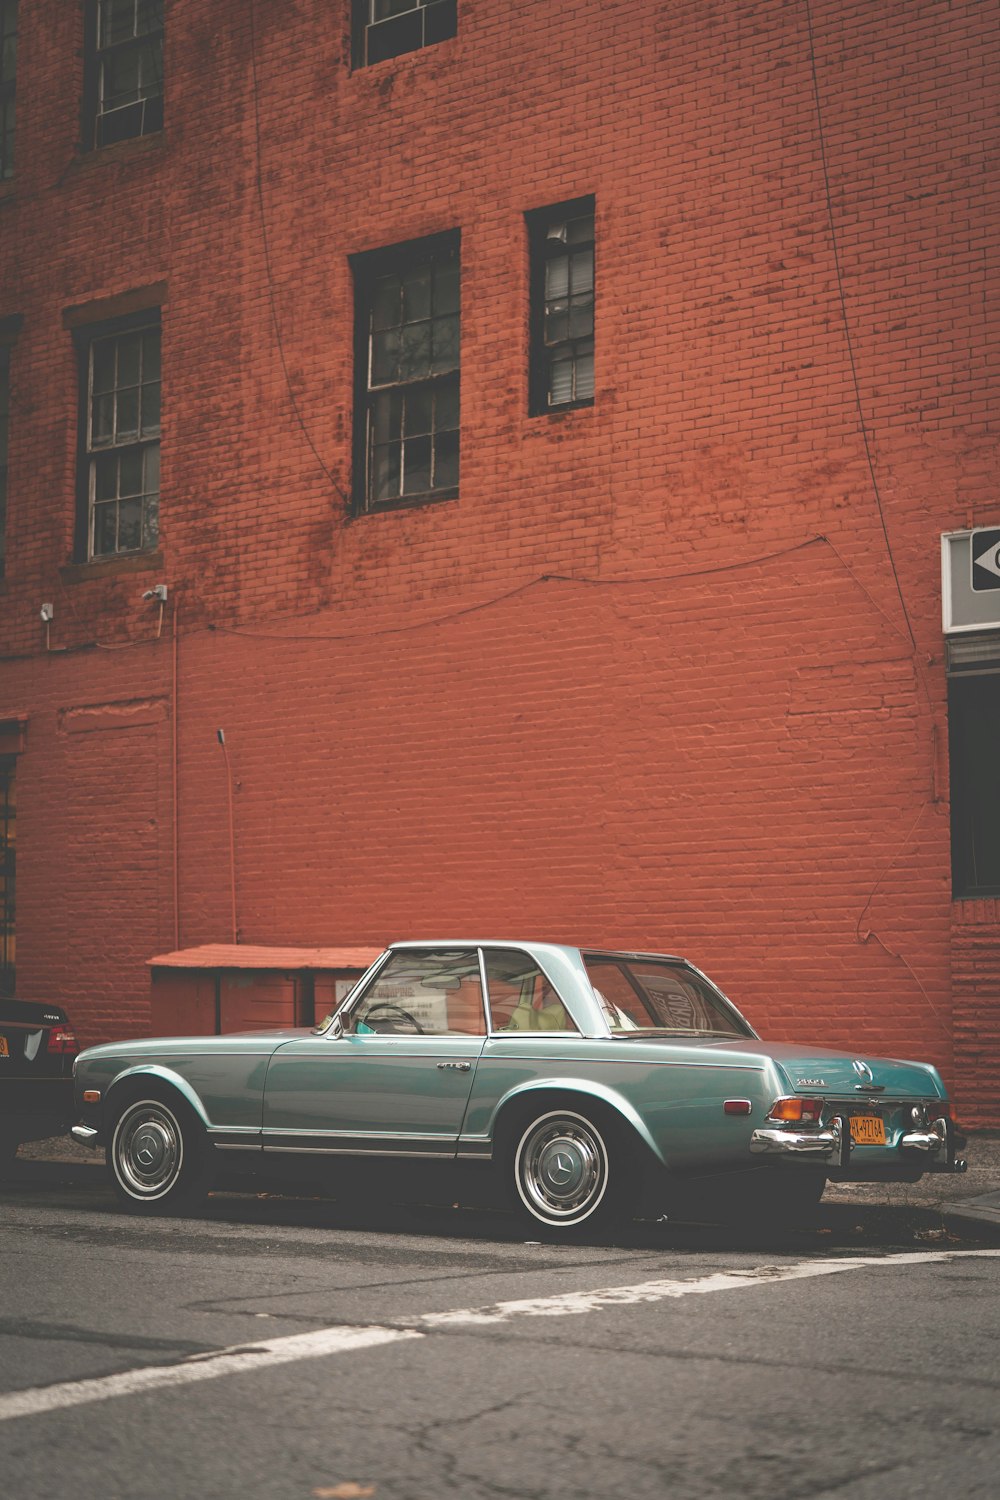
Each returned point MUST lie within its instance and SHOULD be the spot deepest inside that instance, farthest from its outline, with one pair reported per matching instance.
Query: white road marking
(234, 1361)
(325, 1341)
(658, 1291)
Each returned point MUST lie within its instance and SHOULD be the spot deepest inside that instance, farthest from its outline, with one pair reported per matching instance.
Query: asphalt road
(407, 1353)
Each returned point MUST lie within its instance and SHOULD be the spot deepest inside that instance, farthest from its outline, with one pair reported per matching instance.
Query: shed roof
(249, 956)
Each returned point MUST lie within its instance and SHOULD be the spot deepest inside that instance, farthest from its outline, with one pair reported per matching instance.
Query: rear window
(640, 994)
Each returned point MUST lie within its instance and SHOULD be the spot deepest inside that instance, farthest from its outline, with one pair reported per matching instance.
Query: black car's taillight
(62, 1039)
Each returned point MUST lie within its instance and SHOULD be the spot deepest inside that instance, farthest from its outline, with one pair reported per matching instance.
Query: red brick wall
(975, 982)
(718, 738)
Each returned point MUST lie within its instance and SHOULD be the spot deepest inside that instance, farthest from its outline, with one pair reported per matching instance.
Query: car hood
(826, 1072)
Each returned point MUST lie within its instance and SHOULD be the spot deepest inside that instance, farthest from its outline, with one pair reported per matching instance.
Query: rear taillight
(62, 1039)
(802, 1111)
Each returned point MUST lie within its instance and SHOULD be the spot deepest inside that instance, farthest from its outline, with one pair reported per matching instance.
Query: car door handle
(459, 1067)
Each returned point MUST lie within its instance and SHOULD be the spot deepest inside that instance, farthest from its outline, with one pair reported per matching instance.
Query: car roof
(529, 945)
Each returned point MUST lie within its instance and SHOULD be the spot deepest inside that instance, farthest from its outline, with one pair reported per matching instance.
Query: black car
(37, 1048)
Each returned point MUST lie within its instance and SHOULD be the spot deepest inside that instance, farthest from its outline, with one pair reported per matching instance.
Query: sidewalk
(972, 1196)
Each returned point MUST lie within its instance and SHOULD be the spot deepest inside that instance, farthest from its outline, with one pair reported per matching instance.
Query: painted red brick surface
(649, 680)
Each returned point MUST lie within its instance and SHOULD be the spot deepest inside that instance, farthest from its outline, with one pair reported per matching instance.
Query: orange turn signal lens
(802, 1111)
(91, 1096)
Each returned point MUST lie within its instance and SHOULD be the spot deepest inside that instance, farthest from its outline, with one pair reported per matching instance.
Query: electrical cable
(821, 132)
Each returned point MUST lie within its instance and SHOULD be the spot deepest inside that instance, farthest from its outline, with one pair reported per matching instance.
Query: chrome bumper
(85, 1134)
(817, 1143)
(833, 1145)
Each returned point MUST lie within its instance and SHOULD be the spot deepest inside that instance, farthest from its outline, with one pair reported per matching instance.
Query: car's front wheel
(568, 1171)
(158, 1156)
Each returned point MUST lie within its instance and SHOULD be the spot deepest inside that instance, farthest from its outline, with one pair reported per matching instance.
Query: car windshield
(653, 994)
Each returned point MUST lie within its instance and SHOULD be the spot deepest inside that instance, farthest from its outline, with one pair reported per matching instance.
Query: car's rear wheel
(158, 1155)
(568, 1171)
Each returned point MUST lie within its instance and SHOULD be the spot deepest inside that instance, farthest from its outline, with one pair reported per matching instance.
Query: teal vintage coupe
(582, 1079)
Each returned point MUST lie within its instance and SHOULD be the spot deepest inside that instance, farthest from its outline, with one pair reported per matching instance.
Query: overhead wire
(845, 320)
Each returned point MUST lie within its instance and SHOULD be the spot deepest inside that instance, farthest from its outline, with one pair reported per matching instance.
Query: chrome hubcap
(148, 1150)
(562, 1168)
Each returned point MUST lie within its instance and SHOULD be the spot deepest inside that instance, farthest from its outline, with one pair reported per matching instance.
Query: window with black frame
(388, 28)
(974, 754)
(407, 350)
(561, 247)
(124, 70)
(120, 479)
(8, 81)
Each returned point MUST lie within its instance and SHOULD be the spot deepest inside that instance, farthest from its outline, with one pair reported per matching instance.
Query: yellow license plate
(4, 1052)
(867, 1130)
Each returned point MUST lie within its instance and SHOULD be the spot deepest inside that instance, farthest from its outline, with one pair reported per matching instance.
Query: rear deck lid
(829, 1073)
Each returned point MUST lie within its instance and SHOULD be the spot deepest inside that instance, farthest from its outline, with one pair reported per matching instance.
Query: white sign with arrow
(985, 555)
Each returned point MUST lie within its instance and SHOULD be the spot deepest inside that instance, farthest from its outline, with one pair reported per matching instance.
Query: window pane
(417, 466)
(129, 525)
(105, 529)
(103, 424)
(385, 472)
(127, 415)
(521, 997)
(557, 277)
(150, 409)
(117, 21)
(584, 377)
(151, 521)
(106, 477)
(446, 342)
(446, 461)
(582, 271)
(557, 323)
(423, 993)
(120, 78)
(385, 357)
(446, 404)
(129, 348)
(381, 10)
(151, 355)
(386, 302)
(151, 469)
(446, 287)
(387, 416)
(440, 20)
(417, 294)
(104, 365)
(418, 411)
(561, 382)
(150, 69)
(415, 350)
(580, 231)
(581, 319)
(130, 472)
(149, 16)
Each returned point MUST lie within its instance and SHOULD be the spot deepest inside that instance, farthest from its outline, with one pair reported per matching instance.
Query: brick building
(614, 616)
